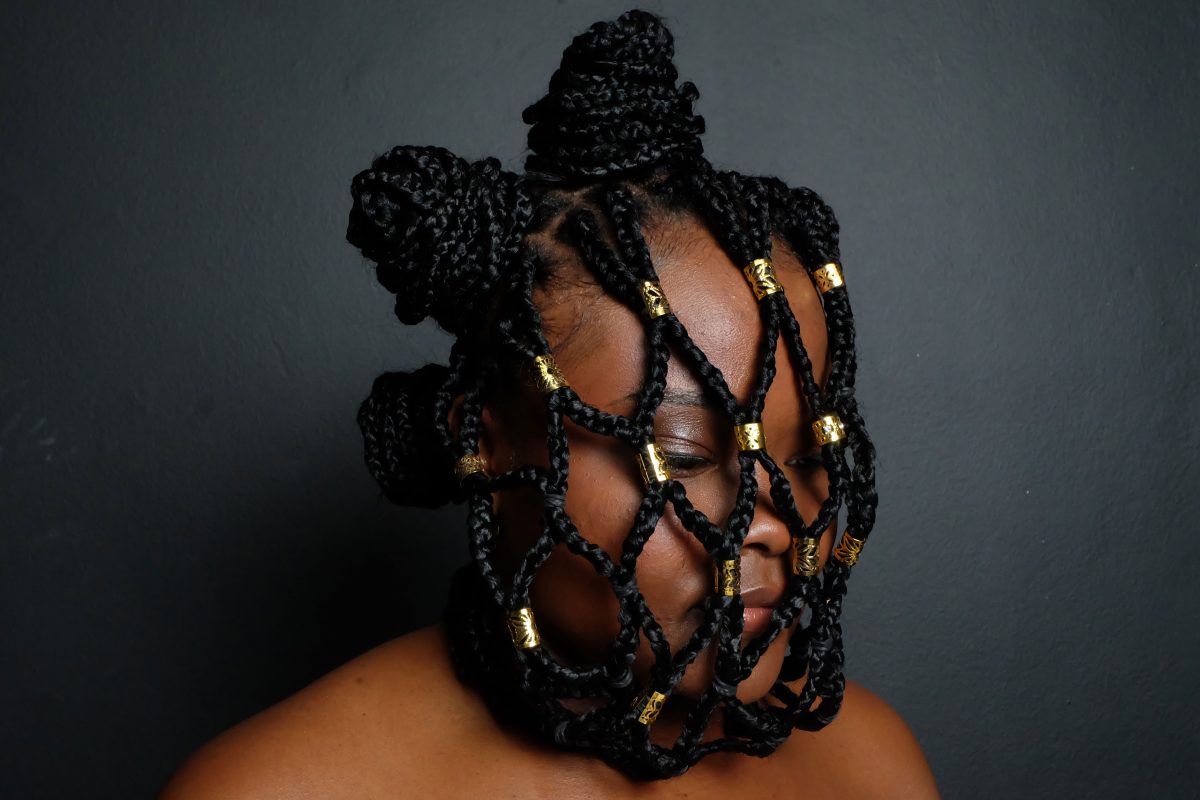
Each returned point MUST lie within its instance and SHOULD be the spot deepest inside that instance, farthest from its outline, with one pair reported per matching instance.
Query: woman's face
(599, 345)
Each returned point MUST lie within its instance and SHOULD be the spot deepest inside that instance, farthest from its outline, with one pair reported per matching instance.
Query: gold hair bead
(523, 629)
(848, 549)
(806, 556)
(655, 300)
(547, 374)
(468, 464)
(829, 429)
(727, 577)
(653, 464)
(749, 436)
(762, 278)
(828, 277)
(651, 704)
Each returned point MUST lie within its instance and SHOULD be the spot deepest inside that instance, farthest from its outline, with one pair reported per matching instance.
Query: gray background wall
(188, 534)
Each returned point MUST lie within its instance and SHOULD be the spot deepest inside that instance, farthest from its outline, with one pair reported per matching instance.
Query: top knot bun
(441, 230)
(613, 105)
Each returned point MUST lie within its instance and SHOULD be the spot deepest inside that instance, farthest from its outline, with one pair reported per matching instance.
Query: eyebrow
(690, 398)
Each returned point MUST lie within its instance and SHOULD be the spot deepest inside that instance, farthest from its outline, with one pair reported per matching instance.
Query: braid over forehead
(614, 139)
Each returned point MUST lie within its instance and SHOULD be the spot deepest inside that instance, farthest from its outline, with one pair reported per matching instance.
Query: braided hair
(613, 144)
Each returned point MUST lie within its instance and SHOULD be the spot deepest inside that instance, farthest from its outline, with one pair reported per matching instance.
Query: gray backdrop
(189, 535)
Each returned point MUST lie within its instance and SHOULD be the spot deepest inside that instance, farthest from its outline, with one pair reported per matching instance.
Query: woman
(649, 411)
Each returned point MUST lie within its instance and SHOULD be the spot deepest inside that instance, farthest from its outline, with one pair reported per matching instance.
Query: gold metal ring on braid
(749, 436)
(761, 276)
(806, 556)
(653, 464)
(727, 577)
(655, 300)
(546, 373)
(848, 549)
(523, 628)
(829, 429)
(469, 464)
(651, 704)
(828, 277)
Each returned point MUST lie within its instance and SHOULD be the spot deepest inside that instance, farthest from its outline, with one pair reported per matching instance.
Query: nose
(768, 533)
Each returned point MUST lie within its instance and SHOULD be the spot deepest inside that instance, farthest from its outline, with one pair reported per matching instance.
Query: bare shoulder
(363, 727)
(880, 755)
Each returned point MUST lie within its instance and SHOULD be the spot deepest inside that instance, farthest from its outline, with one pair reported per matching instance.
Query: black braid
(613, 144)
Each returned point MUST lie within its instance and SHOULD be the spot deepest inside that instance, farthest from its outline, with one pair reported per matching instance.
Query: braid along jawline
(450, 238)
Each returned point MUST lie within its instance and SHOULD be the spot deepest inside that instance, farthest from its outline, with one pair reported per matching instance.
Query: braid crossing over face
(618, 727)
(461, 232)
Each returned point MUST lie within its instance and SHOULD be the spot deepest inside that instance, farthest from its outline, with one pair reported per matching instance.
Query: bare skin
(396, 722)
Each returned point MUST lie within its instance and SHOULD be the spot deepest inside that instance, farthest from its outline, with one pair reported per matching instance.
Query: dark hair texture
(613, 144)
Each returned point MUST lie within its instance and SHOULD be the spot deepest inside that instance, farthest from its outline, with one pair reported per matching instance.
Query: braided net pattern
(449, 237)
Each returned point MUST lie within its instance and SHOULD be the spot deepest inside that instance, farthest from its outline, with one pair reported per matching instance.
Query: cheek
(673, 574)
(604, 489)
(715, 491)
(574, 603)
(810, 489)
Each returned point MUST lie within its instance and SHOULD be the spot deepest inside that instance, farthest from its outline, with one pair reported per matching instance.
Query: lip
(755, 620)
(759, 602)
(762, 597)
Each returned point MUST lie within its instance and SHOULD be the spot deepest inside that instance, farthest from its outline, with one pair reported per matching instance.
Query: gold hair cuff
(653, 464)
(828, 277)
(547, 375)
(651, 703)
(727, 577)
(655, 300)
(848, 549)
(829, 429)
(468, 465)
(749, 436)
(523, 629)
(806, 556)
(762, 278)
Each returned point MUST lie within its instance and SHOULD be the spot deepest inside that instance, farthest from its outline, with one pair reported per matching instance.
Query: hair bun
(403, 451)
(440, 229)
(613, 105)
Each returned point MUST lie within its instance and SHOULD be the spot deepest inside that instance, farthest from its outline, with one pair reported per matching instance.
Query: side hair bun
(402, 449)
(441, 230)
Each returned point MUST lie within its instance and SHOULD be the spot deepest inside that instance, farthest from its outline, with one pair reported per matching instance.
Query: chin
(699, 674)
(765, 673)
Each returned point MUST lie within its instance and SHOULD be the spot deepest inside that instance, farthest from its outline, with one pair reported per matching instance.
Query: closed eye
(685, 463)
(809, 462)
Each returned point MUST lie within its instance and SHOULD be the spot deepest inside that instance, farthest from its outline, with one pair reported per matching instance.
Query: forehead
(600, 344)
